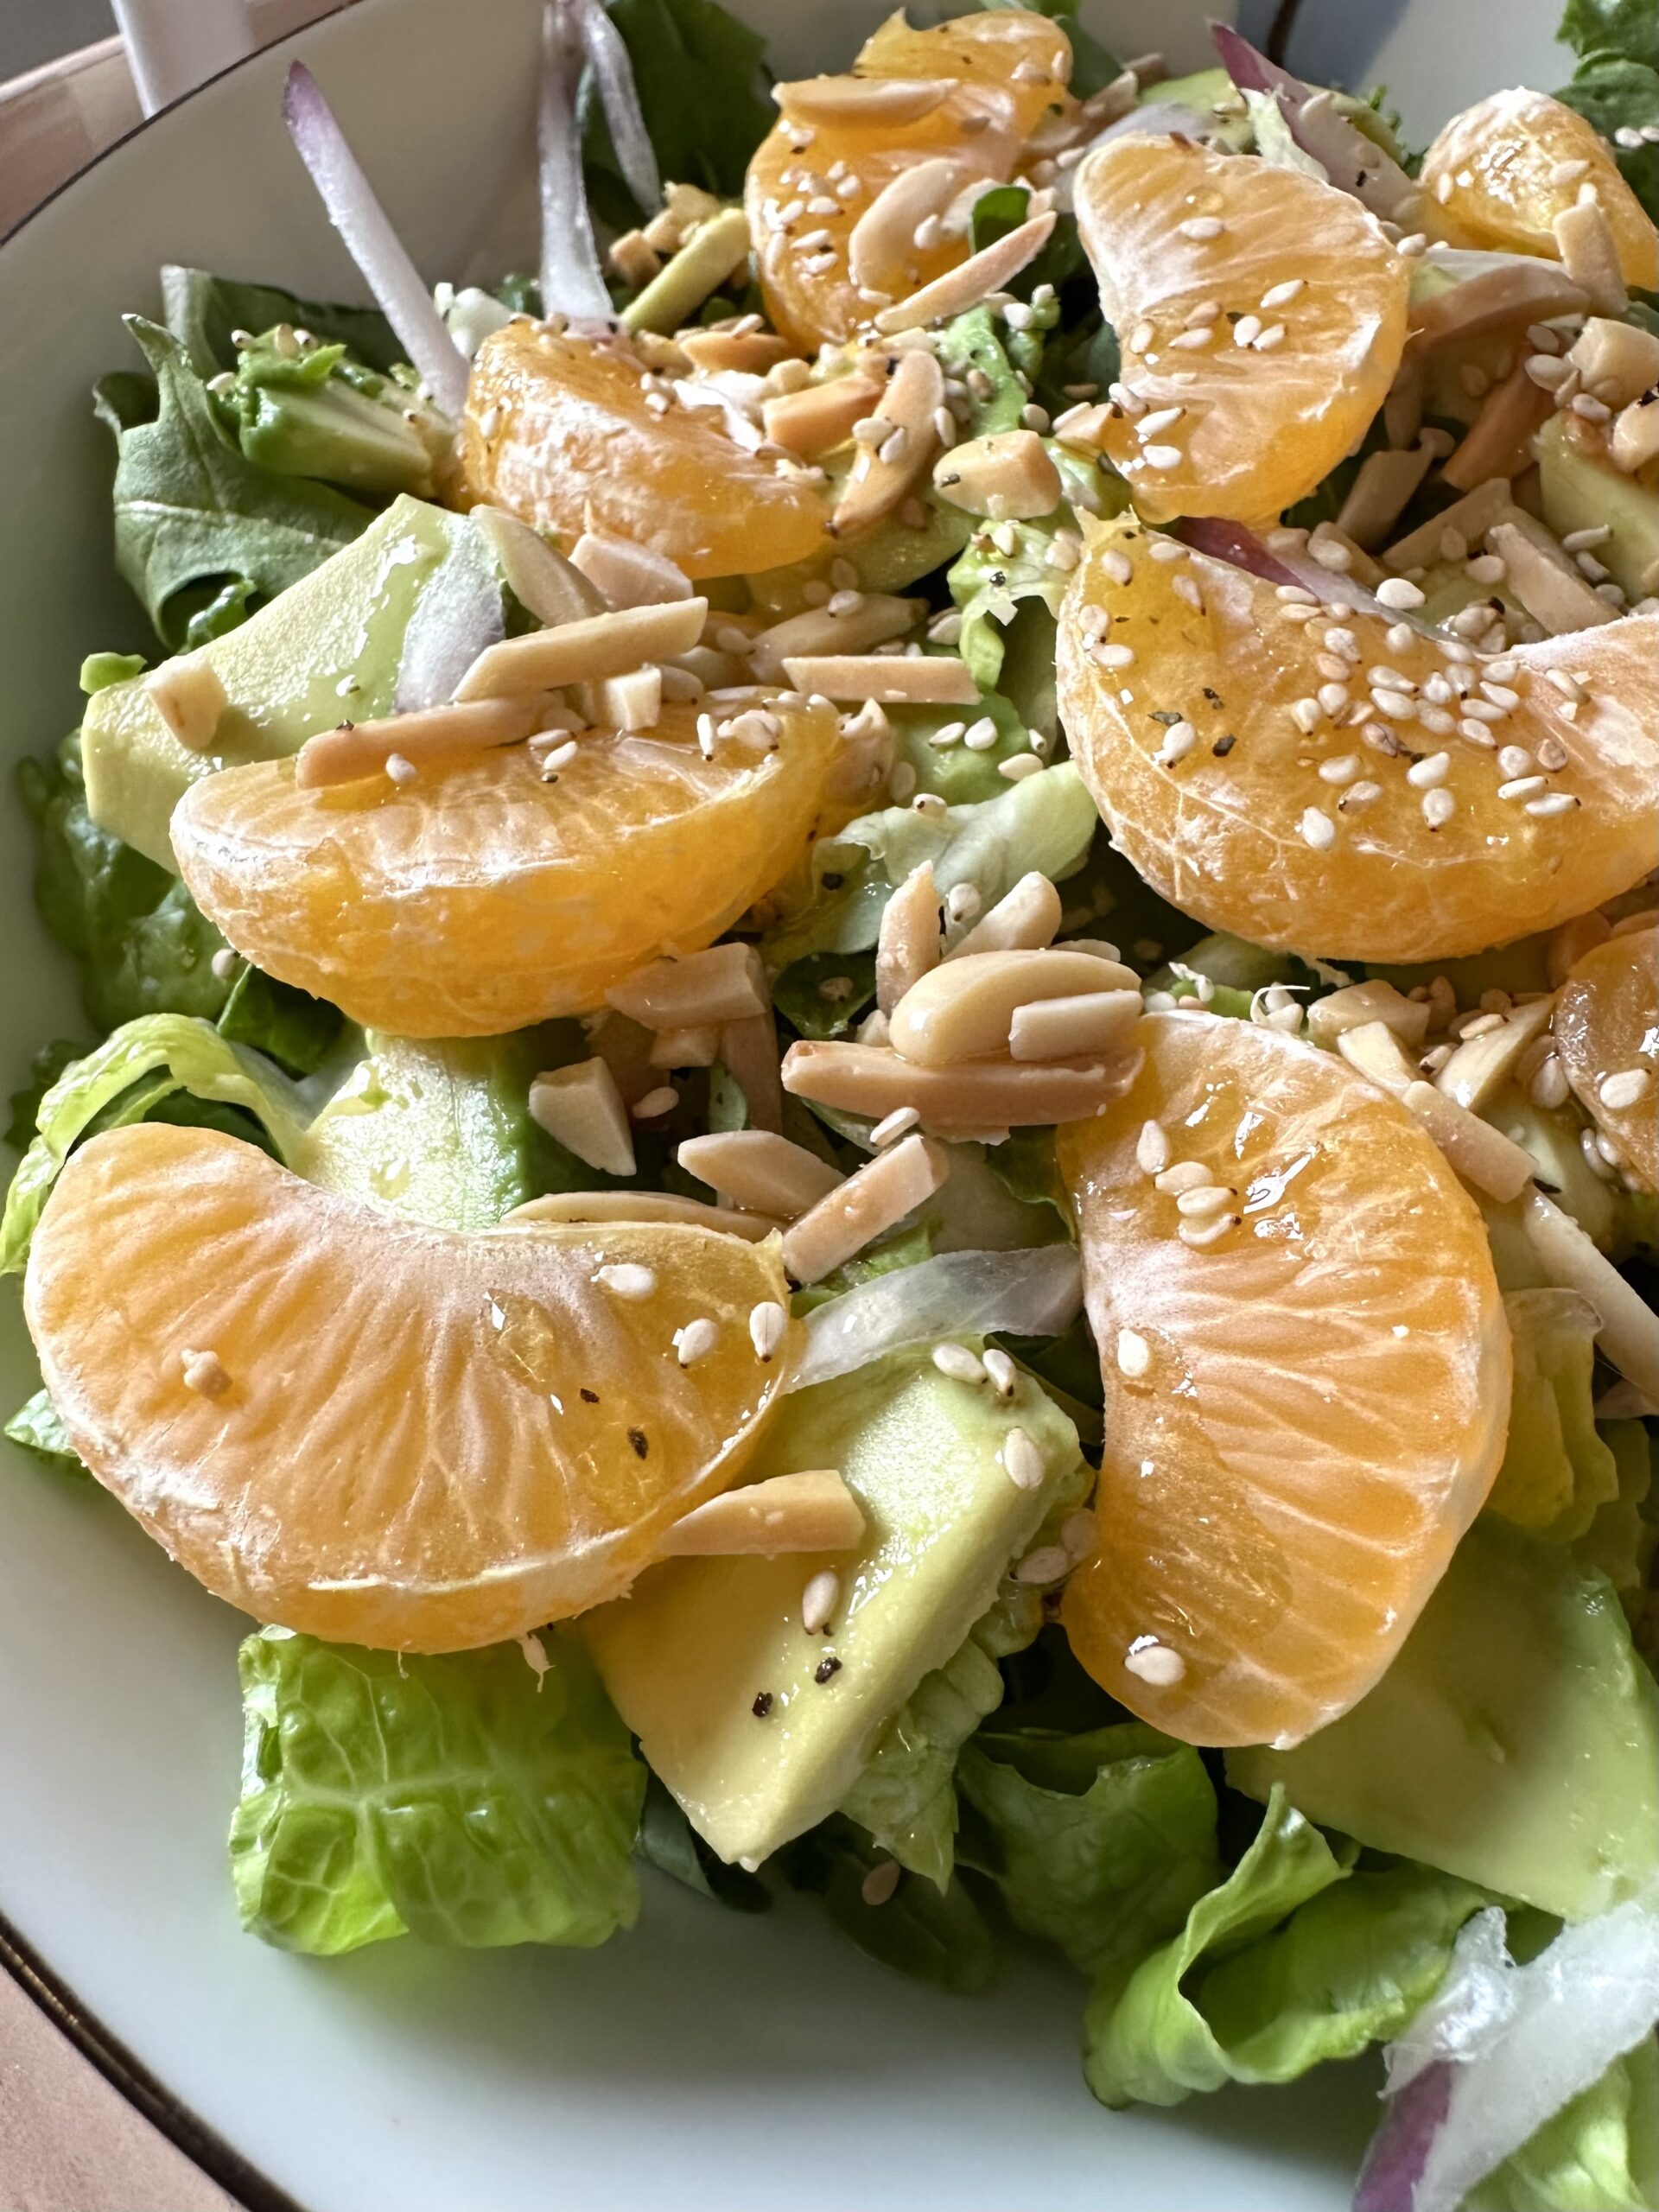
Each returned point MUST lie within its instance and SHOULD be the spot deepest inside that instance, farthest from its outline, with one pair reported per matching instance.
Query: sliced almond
(1471, 517)
(1589, 251)
(820, 416)
(549, 585)
(877, 618)
(1481, 1155)
(865, 1206)
(627, 574)
(584, 652)
(1085, 425)
(1365, 1002)
(1616, 360)
(748, 1051)
(1524, 289)
(971, 281)
(1025, 919)
(1480, 1066)
(189, 694)
(726, 983)
(1384, 488)
(882, 245)
(1634, 439)
(809, 1512)
(1095, 1023)
(635, 258)
(1007, 475)
(890, 679)
(1545, 581)
(873, 1080)
(759, 1170)
(752, 352)
(624, 703)
(907, 946)
(866, 102)
(1499, 442)
(581, 1108)
(887, 471)
(697, 1047)
(357, 749)
(1374, 1051)
(963, 1009)
(606, 1206)
(1628, 1336)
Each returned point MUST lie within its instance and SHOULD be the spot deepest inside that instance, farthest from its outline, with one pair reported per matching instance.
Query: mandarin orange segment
(810, 183)
(372, 1430)
(567, 434)
(1317, 780)
(1262, 315)
(1606, 1025)
(480, 899)
(1501, 172)
(1306, 1368)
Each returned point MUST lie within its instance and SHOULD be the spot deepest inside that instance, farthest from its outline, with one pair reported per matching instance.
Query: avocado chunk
(1514, 1741)
(760, 1730)
(327, 649)
(1580, 490)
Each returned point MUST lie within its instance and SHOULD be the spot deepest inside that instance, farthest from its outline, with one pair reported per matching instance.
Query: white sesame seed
(1500, 694)
(1330, 553)
(1591, 409)
(1439, 807)
(767, 1322)
(558, 758)
(1134, 1354)
(1395, 704)
(1021, 1460)
(980, 736)
(1486, 568)
(1431, 770)
(1110, 656)
(1020, 767)
(1318, 829)
(1141, 337)
(1306, 714)
(1333, 697)
(1155, 1664)
(1160, 419)
(1342, 770)
(1514, 760)
(1166, 550)
(402, 772)
(901, 782)
(1001, 1372)
(1626, 1089)
(1204, 1200)
(1152, 1149)
(1185, 587)
(1549, 1085)
(1162, 457)
(1118, 566)
(204, 1372)
(1280, 295)
(225, 963)
(655, 1103)
(1201, 228)
(1399, 591)
(1048, 1564)
(1272, 337)
(1201, 1235)
(958, 1363)
(1294, 596)
(1194, 340)
(624, 1279)
(1360, 795)
(1247, 329)
(1342, 641)
(818, 1602)
(1553, 803)
(696, 1340)
(1520, 787)
(1552, 754)
(1179, 741)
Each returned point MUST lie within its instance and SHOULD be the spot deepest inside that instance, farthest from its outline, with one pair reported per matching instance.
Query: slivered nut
(726, 983)
(1546, 583)
(1005, 475)
(584, 652)
(1499, 442)
(809, 1512)
(1616, 360)
(1471, 517)
(890, 679)
(629, 575)
(624, 703)
(820, 417)
(1481, 1155)
(1629, 1335)
(1025, 919)
(883, 241)
(1634, 439)
(877, 619)
(1479, 1066)
(971, 281)
(188, 694)
(1374, 1051)
(560, 1208)
(582, 1109)
(964, 1010)
(760, 1170)
(1361, 1003)
(1520, 292)
(748, 1051)
(885, 475)
(634, 259)
(863, 100)
(751, 353)
(1067, 1029)
(1384, 488)
(867, 1204)
(1589, 251)
(697, 1047)
(872, 1079)
(356, 749)
(907, 946)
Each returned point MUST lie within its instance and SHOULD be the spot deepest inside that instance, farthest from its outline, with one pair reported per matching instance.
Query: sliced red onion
(1352, 162)
(391, 275)
(1232, 542)
(572, 283)
(1501, 2049)
(458, 614)
(1029, 1293)
(608, 52)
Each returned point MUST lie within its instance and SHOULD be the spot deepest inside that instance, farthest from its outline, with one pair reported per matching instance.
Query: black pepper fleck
(1214, 698)
(826, 1669)
(832, 883)
(590, 1397)
(762, 1705)
(1223, 746)
(636, 1438)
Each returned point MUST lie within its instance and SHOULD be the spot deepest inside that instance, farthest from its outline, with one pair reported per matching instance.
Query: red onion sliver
(1231, 542)
(399, 290)
(572, 283)
(612, 69)
(1353, 163)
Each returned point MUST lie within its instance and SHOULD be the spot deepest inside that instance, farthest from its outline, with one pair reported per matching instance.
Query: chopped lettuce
(204, 312)
(929, 1935)
(1600, 2153)
(288, 1026)
(701, 78)
(1102, 1843)
(38, 1427)
(1557, 1471)
(1008, 575)
(1092, 65)
(826, 993)
(473, 1798)
(1294, 1959)
(1616, 86)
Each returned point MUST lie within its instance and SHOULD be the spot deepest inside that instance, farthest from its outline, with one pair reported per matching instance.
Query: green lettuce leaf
(288, 1026)
(1092, 66)
(701, 79)
(1102, 1843)
(826, 993)
(1622, 1539)
(202, 311)
(1294, 1959)
(1600, 2153)
(938, 1936)
(1557, 1472)
(1615, 84)
(472, 1798)
(38, 1427)
(1628, 29)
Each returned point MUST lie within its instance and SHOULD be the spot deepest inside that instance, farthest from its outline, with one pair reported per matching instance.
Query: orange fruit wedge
(378, 1432)
(1500, 173)
(1306, 1373)
(480, 899)
(993, 78)
(568, 434)
(1606, 1025)
(1262, 315)
(1347, 785)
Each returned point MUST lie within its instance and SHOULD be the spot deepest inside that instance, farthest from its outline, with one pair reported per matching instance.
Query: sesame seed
(1552, 803)
(1294, 596)
(1439, 807)
(1333, 697)
(1152, 1149)
(1589, 409)
(819, 1600)
(982, 735)
(1141, 337)
(1247, 329)
(224, 963)
(655, 1103)
(1330, 553)
(1280, 295)
(1048, 1565)
(1395, 704)
(1399, 591)
(1204, 1200)
(899, 1123)
(1270, 339)
(696, 1340)
(1164, 549)
(1178, 743)
(1486, 568)
(1160, 419)
(1306, 714)
(1343, 642)
(1202, 228)
(1520, 787)
(1342, 770)
(1154, 1662)
(1360, 795)
(767, 1322)
(1162, 457)
(1185, 588)
(626, 1279)
(402, 772)
(1431, 770)
(1626, 1089)
(1318, 829)
(1500, 694)
(204, 1372)
(1117, 566)
(1114, 655)
(555, 758)
(1514, 760)
(1184, 1175)
(1021, 1460)
(1194, 340)
(1021, 766)
(1552, 754)
(1001, 1373)
(1201, 1235)
(1549, 1085)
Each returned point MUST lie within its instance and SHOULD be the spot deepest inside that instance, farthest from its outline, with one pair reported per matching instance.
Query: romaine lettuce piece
(476, 1798)
(38, 1427)
(927, 1934)
(1557, 1472)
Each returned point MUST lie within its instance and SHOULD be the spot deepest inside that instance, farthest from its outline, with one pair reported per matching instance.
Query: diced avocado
(741, 1712)
(327, 649)
(1212, 93)
(1580, 490)
(1514, 1741)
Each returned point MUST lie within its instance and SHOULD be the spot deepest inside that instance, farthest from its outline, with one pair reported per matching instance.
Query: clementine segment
(480, 899)
(1606, 1025)
(375, 1431)
(1333, 781)
(1306, 1368)
(1262, 315)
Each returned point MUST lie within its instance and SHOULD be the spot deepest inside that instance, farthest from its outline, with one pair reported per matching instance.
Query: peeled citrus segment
(809, 182)
(480, 899)
(1305, 1406)
(1606, 1025)
(1500, 173)
(558, 431)
(1322, 787)
(1302, 297)
(397, 1436)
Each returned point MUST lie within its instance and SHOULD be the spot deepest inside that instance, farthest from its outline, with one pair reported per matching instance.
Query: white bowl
(709, 2062)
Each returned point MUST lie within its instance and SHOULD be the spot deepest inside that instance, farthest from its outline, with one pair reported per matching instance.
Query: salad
(867, 1101)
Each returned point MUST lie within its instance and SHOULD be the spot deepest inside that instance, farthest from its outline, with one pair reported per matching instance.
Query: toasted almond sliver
(748, 1051)
(1499, 440)
(883, 239)
(606, 1206)
(1481, 1066)
(1617, 361)
(963, 1009)
(872, 1079)
(971, 281)
(865, 100)
(1634, 444)
(865, 1206)
(877, 618)
(1480, 1153)
(1066, 1029)
(624, 703)
(627, 574)
(726, 983)
(189, 694)
(1026, 919)
(1085, 426)
(357, 749)
(1384, 488)
(820, 416)
(697, 1047)
(584, 652)
(910, 405)
(892, 679)
(1589, 251)
(759, 1170)
(1521, 292)
(907, 944)
(810, 1512)
(1546, 583)
(1628, 1336)
(581, 1108)
(1361, 1003)
(1472, 515)
(752, 352)
(1374, 1051)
